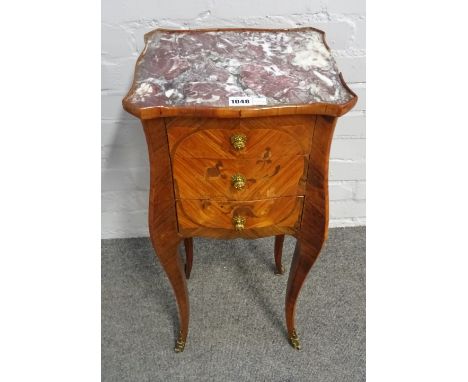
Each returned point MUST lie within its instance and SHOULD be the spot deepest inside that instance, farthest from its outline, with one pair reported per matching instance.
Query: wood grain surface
(211, 178)
(162, 218)
(283, 212)
(314, 224)
(267, 138)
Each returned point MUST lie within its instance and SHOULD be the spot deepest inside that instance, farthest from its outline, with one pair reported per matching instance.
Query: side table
(239, 124)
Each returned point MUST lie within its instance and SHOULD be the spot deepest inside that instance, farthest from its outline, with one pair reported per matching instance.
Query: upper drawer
(269, 137)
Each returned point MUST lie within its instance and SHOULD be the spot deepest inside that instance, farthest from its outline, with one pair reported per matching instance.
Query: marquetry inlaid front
(270, 160)
(265, 138)
(280, 212)
(264, 178)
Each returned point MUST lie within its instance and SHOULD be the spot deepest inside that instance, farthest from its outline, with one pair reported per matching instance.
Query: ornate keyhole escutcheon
(238, 181)
(239, 222)
(238, 141)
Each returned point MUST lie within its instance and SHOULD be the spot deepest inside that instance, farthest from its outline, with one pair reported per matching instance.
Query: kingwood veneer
(225, 171)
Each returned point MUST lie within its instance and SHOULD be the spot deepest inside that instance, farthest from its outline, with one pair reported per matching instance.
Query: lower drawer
(239, 215)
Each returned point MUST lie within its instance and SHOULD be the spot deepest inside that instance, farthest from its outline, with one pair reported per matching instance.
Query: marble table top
(205, 68)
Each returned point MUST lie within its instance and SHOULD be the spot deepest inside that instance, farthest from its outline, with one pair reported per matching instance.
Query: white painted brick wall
(125, 172)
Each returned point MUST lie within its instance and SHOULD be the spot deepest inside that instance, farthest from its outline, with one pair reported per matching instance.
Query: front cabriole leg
(314, 225)
(163, 221)
(170, 260)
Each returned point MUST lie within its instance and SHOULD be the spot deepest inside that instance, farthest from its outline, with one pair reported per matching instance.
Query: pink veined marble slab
(205, 68)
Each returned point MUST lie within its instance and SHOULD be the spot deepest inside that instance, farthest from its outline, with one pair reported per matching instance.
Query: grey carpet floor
(237, 330)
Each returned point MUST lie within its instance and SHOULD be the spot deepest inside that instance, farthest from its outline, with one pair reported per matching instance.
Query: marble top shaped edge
(202, 68)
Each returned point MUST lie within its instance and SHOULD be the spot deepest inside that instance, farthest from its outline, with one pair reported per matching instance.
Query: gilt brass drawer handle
(238, 141)
(239, 222)
(238, 181)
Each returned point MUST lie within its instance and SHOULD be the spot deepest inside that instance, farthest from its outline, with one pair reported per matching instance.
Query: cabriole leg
(303, 259)
(314, 224)
(163, 221)
(172, 265)
(279, 239)
(188, 244)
